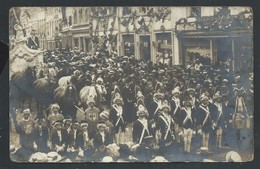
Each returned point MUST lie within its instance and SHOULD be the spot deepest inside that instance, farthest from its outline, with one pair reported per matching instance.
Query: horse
(78, 82)
(20, 90)
(87, 92)
(43, 89)
(67, 97)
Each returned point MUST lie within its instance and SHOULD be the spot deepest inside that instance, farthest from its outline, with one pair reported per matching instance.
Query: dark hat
(74, 122)
(40, 117)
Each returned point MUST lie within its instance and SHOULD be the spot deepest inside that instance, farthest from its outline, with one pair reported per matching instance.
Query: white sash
(177, 106)
(207, 114)
(187, 116)
(220, 111)
(119, 115)
(144, 128)
(168, 125)
(34, 42)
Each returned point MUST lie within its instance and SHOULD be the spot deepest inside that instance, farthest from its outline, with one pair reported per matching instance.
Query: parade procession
(131, 84)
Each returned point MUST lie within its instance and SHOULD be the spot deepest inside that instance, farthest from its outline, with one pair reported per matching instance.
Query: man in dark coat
(187, 119)
(128, 97)
(58, 138)
(84, 143)
(165, 130)
(72, 148)
(175, 112)
(33, 41)
(117, 117)
(218, 118)
(41, 135)
(141, 127)
(204, 120)
(101, 139)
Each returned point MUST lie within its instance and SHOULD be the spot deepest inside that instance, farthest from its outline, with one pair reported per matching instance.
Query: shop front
(217, 39)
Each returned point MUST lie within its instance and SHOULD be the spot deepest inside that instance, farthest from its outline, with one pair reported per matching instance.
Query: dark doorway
(128, 44)
(224, 50)
(145, 48)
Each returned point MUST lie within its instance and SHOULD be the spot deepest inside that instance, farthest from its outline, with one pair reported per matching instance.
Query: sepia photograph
(131, 84)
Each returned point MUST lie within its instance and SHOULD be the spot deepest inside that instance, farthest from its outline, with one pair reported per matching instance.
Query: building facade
(173, 35)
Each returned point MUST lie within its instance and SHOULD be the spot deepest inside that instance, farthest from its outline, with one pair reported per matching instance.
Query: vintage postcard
(131, 84)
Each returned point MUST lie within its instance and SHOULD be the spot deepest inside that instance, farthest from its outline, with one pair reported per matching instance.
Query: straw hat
(159, 159)
(233, 156)
(107, 159)
(53, 157)
(38, 157)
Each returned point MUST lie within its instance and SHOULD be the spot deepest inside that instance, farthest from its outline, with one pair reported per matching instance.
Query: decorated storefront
(215, 39)
(146, 33)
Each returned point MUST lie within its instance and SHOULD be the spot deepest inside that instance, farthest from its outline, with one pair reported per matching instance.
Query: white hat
(101, 125)
(99, 80)
(159, 159)
(165, 104)
(55, 105)
(26, 111)
(118, 97)
(217, 95)
(53, 157)
(141, 109)
(38, 157)
(176, 90)
(203, 97)
(84, 123)
(233, 156)
(107, 159)
(104, 114)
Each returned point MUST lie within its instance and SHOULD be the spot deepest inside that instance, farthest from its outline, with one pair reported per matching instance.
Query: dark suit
(204, 121)
(33, 44)
(81, 142)
(71, 139)
(138, 128)
(55, 138)
(41, 138)
(116, 120)
(98, 140)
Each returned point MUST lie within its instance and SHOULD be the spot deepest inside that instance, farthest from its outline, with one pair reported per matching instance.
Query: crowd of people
(170, 111)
